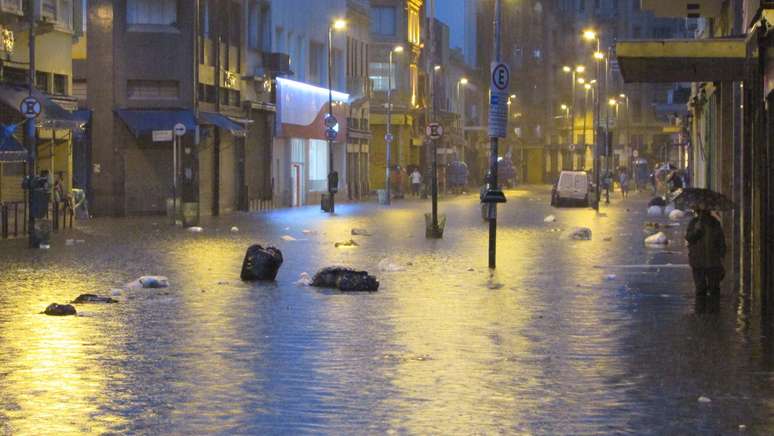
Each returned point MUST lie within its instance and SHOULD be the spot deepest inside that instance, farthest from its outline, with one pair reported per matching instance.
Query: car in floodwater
(571, 189)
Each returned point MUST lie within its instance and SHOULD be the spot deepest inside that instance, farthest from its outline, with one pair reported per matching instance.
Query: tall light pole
(29, 132)
(461, 101)
(591, 35)
(388, 137)
(333, 179)
(627, 143)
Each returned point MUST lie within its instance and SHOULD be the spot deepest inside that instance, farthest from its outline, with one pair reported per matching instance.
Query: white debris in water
(579, 234)
(308, 232)
(360, 232)
(703, 399)
(195, 229)
(235, 229)
(149, 282)
(655, 211)
(116, 292)
(610, 277)
(742, 427)
(70, 242)
(657, 239)
(303, 279)
(676, 215)
(288, 238)
(44, 246)
(390, 265)
(549, 219)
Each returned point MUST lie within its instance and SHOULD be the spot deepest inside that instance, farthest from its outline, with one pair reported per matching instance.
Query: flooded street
(560, 340)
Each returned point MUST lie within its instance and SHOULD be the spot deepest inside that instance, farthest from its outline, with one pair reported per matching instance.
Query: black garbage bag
(657, 201)
(261, 263)
(345, 279)
(55, 309)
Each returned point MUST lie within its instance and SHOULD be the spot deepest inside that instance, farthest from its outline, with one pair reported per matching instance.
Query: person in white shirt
(416, 181)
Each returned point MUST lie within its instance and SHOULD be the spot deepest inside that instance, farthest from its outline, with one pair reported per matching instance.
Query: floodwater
(549, 344)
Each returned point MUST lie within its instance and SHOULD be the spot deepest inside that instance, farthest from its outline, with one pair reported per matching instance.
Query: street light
(598, 55)
(388, 136)
(581, 80)
(338, 25)
(461, 101)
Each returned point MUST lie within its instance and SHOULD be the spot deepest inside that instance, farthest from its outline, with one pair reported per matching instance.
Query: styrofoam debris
(235, 229)
(610, 277)
(44, 246)
(195, 229)
(676, 215)
(549, 219)
(703, 399)
(288, 238)
(308, 232)
(657, 239)
(116, 292)
(149, 282)
(655, 211)
(303, 279)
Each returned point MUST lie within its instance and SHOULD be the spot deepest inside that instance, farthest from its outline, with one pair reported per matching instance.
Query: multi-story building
(396, 23)
(57, 24)
(153, 64)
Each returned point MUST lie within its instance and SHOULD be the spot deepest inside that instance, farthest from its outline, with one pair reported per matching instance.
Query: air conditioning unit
(276, 63)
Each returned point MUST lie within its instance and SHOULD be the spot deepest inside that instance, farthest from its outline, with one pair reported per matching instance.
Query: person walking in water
(623, 179)
(706, 250)
(416, 181)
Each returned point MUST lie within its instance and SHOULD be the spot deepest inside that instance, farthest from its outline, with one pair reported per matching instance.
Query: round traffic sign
(330, 134)
(179, 129)
(388, 137)
(434, 130)
(30, 107)
(501, 77)
(330, 121)
(635, 153)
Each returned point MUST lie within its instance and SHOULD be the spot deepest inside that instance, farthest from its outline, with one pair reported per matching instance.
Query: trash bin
(382, 195)
(325, 202)
(190, 214)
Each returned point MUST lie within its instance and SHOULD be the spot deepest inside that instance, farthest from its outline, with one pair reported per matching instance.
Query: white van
(571, 188)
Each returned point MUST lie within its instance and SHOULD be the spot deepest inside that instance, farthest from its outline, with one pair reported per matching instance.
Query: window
(234, 27)
(12, 6)
(58, 11)
(413, 26)
(60, 84)
(318, 165)
(379, 72)
(157, 12)
(206, 93)
(383, 20)
(316, 62)
(153, 89)
(258, 26)
(80, 89)
(15, 75)
(41, 81)
(48, 8)
(414, 77)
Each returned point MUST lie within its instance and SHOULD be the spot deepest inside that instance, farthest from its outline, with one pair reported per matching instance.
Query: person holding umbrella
(706, 240)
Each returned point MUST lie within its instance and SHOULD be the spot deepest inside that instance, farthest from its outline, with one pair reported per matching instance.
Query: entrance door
(295, 180)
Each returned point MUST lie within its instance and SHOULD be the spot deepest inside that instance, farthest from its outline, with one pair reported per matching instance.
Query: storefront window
(318, 165)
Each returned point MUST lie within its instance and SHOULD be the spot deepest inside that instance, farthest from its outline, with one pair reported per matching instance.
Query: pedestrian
(674, 181)
(416, 181)
(623, 178)
(706, 250)
(653, 181)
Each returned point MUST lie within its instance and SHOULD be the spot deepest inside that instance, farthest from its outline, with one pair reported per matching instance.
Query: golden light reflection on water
(54, 381)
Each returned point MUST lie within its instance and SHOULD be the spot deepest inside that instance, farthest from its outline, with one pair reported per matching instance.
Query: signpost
(434, 131)
(179, 130)
(30, 107)
(498, 123)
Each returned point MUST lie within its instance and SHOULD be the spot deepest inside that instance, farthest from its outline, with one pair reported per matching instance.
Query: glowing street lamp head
(398, 49)
(464, 81)
(587, 86)
(339, 24)
(513, 96)
(589, 35)
(564, 107)
(437, 68)
(622, 95)
(612, 102)
(580, 69)
(566, 69)
(598, 55)
(593, 81)
(581, 80)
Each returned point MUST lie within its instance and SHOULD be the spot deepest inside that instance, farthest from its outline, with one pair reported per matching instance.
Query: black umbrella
(702, 199)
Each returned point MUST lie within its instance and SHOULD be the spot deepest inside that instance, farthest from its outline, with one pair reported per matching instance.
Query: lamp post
(627, 143)
(591, 35)
(461, 101)
(388, 137)
(333, 179)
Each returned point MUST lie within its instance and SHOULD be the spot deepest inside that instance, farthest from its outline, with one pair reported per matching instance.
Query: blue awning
(144, 122)
(222, 121)
(11, 150)
(51, 113)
